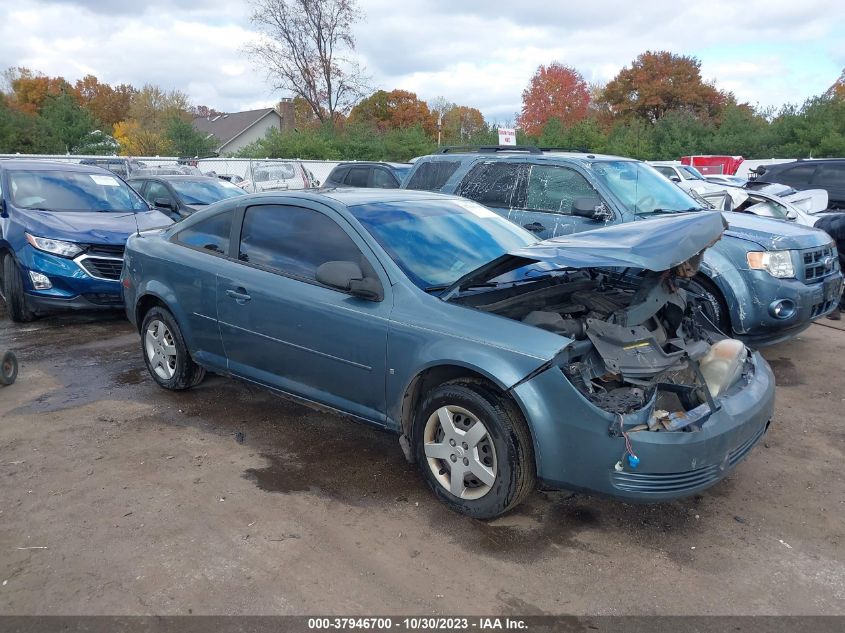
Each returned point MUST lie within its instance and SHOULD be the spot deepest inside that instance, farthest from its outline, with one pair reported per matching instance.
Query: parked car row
(563, 319)
(764, 282)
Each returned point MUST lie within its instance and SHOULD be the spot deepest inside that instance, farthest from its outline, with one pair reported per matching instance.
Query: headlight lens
(776, 263)
(57, 247)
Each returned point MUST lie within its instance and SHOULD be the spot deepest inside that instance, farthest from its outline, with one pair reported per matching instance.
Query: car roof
(550, 156)
(365, 163)
(353, 196)
(174, 177)
(44, 165)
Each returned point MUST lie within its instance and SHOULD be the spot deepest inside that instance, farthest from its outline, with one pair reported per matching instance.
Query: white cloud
(474, 52)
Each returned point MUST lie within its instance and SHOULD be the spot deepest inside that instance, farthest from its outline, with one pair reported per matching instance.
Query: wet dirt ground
(117, 497)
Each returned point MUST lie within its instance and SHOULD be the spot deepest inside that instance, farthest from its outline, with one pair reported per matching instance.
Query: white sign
(507, 136)
(107, 181)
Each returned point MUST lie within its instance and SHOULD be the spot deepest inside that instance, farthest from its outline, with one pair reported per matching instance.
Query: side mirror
(590, 207)
(349, 277)
(163, 203)
(675, 178)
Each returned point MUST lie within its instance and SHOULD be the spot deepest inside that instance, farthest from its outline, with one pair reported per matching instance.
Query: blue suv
(763, 282)
(63, 229)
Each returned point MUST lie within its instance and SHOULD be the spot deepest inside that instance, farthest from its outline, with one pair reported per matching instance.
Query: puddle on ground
(786, 373)
(313, 452)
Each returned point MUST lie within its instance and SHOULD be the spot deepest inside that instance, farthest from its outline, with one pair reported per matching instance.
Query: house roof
(226, 127)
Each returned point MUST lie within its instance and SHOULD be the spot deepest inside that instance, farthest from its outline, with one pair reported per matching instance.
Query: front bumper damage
(576, 447)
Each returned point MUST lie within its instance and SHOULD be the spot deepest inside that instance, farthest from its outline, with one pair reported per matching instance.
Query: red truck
(710, 164)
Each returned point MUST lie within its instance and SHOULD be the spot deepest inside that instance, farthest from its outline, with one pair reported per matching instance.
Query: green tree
(586, 135)
(186, 140)
(63, 123)
(632, 139)
(679, 133)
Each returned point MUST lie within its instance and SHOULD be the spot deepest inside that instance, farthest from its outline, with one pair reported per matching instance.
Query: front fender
(411, 353)
(733, 284)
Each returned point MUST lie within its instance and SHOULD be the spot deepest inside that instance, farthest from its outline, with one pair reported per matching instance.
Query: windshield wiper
(439, 288)
(670, 211)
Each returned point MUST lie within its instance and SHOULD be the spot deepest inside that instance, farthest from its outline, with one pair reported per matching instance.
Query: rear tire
(13, 292)
(166, 354)
(495, 461)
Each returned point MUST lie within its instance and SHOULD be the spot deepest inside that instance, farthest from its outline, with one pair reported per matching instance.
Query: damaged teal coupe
(501, 363)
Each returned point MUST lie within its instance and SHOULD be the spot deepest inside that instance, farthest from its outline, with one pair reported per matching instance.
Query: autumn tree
(151, 112)
(555, 91)
(837, 90)
(30, 88)
(660, 82)
(107, 104)
(461, 123)
(203, 111)
(397, 109)
(305, 46)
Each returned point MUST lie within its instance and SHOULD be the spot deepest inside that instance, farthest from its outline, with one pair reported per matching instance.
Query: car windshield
(58, 190)
(690, 173)
(641, 188)
(205, 191)
(437, 242)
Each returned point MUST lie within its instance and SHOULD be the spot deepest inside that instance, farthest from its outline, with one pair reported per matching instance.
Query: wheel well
(144, 305)
(433, 377)
(713, 288)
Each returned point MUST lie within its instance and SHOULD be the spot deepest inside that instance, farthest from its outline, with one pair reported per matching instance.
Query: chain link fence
(242, 167)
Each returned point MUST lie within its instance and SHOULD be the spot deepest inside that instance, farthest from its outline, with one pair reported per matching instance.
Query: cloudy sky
(476, 53)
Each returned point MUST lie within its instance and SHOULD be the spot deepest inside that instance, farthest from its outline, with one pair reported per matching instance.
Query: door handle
(534, 227)
(239, 295)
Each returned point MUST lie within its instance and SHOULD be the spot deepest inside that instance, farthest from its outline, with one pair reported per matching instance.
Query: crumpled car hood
(657, 245)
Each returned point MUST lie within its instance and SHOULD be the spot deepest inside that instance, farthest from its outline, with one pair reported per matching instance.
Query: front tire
(13, 292)
(474, 449)
(166, 354)
(710, 299)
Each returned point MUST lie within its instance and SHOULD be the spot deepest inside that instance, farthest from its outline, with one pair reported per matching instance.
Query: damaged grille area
(662, 483)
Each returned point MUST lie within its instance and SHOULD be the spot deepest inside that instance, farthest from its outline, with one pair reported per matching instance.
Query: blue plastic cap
(633, 461)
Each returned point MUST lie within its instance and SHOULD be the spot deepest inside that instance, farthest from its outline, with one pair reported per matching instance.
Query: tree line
(658, 107)
(40, 114)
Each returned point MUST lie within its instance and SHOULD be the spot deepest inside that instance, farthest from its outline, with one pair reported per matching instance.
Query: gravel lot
(120, 498)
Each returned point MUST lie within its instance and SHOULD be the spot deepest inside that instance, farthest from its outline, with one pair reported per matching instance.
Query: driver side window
(555, 189)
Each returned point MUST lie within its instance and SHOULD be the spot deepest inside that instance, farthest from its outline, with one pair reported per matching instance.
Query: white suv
(686, 177)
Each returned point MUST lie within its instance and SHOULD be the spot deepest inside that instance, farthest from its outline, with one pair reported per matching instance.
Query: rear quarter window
(432, 175)
(211, 234)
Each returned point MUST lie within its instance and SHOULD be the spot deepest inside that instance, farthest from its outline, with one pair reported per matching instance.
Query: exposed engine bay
(641, 348)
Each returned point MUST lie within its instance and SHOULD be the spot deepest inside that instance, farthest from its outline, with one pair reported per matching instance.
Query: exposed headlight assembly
(776, 263)
(56, 247)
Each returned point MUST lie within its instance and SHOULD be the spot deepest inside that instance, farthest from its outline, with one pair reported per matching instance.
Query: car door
(494, 184)
(547, 195)
(282, 328)
(831, 177)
